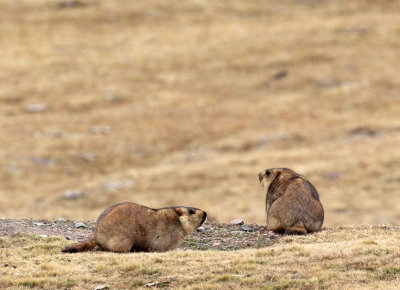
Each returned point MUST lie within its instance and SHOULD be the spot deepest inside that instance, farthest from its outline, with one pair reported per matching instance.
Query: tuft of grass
(389, 273)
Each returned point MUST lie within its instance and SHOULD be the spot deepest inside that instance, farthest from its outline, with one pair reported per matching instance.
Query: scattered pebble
(60, 219)
(364, 131)
(100, 130)
(80, 225)
(85, 156)
(38, 224)
(44, 236)
(331, 175)
(41, 161)
(237, 232)
(216, 244)
(70, 4)
(246, 228)
(158, 284)
(119, 184)
(49, 134)
(36, 108)
(272, 235)
(280, 75)
(236, 222)
(3, 218)
(201, 229)
(72, 194)
(112, 98)
(101, 287)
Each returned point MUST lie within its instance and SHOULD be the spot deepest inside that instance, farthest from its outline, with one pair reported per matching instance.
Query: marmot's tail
(297, 229)
(87, 245)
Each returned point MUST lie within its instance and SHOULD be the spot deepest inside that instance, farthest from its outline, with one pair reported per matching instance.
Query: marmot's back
(292, 202)
(129, 226)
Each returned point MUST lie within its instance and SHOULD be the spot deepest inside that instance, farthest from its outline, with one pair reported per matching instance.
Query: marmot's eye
(191, 211)
(267, 172)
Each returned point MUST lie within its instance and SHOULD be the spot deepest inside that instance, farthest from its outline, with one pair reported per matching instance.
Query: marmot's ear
(179, 211)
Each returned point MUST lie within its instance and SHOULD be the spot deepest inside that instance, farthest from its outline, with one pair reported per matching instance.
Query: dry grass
(199, 110)
(345, 257)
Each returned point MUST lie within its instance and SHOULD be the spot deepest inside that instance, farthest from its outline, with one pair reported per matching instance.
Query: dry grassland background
(184, 102)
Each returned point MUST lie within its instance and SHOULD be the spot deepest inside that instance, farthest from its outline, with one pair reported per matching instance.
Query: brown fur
(126, 227)
(292, 202)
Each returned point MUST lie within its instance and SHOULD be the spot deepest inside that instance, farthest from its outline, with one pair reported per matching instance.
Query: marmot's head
(266, 177)
(190, 217)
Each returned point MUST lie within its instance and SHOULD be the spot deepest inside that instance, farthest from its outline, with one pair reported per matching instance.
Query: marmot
(292, 202)
(128, 227)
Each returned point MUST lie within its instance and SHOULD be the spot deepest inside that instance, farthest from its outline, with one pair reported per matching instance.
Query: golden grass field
(183, 103)
(365, 257)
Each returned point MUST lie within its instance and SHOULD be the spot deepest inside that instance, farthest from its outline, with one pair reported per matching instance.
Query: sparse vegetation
(183, 103)
(317, 260)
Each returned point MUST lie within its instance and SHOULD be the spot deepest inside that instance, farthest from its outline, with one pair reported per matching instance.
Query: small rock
(60, 219)
(237, 232)
(56, 134)
(201, 229)
(16, 274)
(246, 228)
(101, 287)
(280, 75)
(44, 236)
(3, 218)
(364, 131)
(41, 160)
(236, 222)
(70, 4)
(331, 175)
(158, 284)
(72, 194)
(50, 134)
(38, 224)
(216, 244)
(85, 156)
(112, 98)
(80, 225)
(36, 108)
(116, 185)
(100, 130)
(272, 235)
(5, 265)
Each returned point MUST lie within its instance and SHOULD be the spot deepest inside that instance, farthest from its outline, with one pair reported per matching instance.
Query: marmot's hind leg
(275, 225)
(296, 229)
(119, 244)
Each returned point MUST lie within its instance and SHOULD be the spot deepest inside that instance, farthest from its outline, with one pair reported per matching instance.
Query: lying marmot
(292, 202)
(127, 227)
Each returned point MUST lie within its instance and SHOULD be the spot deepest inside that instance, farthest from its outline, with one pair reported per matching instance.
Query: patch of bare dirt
(210, 236)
